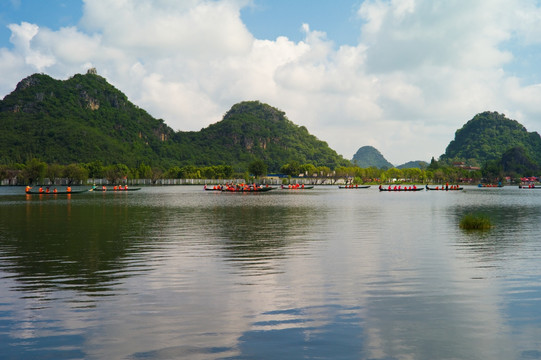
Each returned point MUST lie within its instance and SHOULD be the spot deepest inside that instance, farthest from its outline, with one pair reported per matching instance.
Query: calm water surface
(176, 272)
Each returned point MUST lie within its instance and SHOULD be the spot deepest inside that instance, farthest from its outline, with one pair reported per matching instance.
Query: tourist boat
(398, 189)
(98, 188)
(62, 192)
(213, 188)
(353, 186)
(527, 187)
(250, 189)
(295, 187)
(445, 188)
(489, 185)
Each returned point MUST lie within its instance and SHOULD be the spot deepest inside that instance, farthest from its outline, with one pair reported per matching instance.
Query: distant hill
(368, 156)
(413, 164)
(488, 136)
(84, 119)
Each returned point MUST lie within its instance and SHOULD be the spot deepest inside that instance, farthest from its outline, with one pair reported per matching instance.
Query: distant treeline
(35, 171)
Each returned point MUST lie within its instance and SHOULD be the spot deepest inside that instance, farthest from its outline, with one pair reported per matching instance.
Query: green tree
(394, 173)
(95, 169)
(115, 173)
(34, 171)
(257, 168)
(54, 171)
(75, 173)
(292, 169)
(145, 171)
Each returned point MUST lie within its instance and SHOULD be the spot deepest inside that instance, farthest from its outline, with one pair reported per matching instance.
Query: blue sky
(266, 19)
(269, 19)
(50, 13)
(399, 75)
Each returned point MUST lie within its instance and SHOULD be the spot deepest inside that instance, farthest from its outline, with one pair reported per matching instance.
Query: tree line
(34, 171)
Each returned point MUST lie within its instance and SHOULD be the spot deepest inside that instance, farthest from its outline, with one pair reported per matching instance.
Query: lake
(180, 273)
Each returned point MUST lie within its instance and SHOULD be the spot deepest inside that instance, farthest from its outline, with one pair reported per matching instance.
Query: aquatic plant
(475, 222)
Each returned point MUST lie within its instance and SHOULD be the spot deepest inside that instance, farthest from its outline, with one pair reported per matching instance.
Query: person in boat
(55, 191)
(47, 190)
(103, 187)
(40, 189)
(28, 188)
(68, 189)
(126, 187)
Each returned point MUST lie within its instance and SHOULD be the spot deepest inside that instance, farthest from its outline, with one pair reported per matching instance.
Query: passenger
(40, 189)
(47, 190)
(28, 188)
(55, 191)
(126, 187)
(68, 189)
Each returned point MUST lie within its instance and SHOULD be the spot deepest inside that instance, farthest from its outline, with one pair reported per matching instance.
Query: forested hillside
(368, 156)
(82, 119)
(488, 136)
(253, 130)
(85, 119)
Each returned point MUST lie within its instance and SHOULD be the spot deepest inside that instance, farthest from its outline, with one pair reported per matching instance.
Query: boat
(101, 189)
(445, 188)
(213, 188)
(490, 185)
(400, 189)
(247, 189)
(353, 186)
(63, 192)
(297, 187)
(529, 187)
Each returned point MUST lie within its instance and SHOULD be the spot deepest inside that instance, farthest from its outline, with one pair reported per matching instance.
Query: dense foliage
(35, 171)
(252, 131)
(84, 119)
(488, 136)
(368, 156)
(81, 119)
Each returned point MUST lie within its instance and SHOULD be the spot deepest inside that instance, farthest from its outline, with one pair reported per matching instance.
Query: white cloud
(420, 71)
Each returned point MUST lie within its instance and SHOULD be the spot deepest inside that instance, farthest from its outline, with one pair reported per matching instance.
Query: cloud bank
(421, 68)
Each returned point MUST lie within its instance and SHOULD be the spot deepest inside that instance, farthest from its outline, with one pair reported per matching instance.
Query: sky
(399, 75)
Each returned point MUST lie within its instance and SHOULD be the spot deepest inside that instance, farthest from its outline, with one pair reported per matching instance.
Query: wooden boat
(63, 192)
(490, 185)
(529, 187)
(101, 189)
(444, 188)
(400, 189)
(247, 190)
(305, 187)
(353, 186)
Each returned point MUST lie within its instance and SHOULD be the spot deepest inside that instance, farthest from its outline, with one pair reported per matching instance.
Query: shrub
(475, 222)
